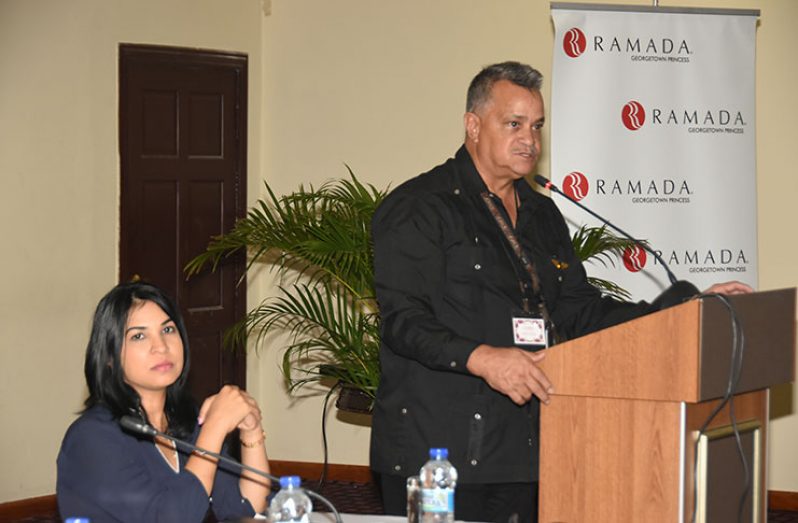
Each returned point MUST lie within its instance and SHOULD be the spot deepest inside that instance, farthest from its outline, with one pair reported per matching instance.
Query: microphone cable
(735, 370)
(136, 425)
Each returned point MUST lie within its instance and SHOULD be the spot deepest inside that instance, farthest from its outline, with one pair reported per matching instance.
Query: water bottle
(438, 478)
(290, 504)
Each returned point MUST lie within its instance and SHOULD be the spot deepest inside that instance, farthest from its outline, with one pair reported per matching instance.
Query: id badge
(530, 331)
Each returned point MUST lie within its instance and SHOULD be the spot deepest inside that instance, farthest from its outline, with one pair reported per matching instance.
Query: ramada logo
(697, 120)
(574, 42)
(633, 115)
(634, 258)
(575, 185)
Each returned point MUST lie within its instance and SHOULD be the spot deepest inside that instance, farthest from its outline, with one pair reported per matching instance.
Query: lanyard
(525, 260)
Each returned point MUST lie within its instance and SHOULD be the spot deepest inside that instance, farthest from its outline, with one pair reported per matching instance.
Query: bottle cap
(289, 481)
(438, 453)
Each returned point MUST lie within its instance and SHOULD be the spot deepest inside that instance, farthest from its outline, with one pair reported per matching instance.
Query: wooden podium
(618, 438)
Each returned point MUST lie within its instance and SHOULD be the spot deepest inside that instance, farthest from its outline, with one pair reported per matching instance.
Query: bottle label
(437, 500)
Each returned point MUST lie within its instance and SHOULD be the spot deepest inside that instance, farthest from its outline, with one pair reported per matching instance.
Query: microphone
(136, 425)
(667, 298)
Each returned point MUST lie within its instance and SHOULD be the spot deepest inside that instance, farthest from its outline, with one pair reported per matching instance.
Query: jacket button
(457, 191)
(474, 463)
(397, 467)
(477, 266)
(404, 411)
(477, 416)
(453, 364)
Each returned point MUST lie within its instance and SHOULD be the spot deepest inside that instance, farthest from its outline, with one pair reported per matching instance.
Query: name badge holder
(530, 331)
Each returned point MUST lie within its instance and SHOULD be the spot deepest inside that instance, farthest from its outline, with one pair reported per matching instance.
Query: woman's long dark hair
(103, 370)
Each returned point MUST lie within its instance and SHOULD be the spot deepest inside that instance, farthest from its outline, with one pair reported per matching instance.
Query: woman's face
(152, 351)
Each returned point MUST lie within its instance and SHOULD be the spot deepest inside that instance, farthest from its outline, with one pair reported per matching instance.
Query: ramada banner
(653, 128)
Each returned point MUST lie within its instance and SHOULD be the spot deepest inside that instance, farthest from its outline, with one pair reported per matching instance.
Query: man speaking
(474, 273)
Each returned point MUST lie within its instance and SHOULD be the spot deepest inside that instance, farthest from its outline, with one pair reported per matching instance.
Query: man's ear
(472, 124)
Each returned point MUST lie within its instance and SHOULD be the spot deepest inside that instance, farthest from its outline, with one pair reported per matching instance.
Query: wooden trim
(782, 500)
(312, 471)
(26, 508)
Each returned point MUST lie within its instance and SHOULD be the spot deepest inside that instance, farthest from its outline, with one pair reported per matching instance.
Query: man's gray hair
(520, 74)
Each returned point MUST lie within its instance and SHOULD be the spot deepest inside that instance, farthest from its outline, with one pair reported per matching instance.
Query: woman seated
(137, 363)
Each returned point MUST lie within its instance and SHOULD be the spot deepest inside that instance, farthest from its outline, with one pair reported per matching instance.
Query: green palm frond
(327, 326)
(322, 231)
(610, 288)
(597, 244)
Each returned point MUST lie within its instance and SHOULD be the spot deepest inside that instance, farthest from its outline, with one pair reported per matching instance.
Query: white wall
(379, 85)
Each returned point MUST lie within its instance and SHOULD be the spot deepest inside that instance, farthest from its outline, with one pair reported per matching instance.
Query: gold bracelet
(253, 444)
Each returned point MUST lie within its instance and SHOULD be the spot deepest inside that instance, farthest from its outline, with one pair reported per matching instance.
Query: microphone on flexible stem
(679, 288)
(136, 425)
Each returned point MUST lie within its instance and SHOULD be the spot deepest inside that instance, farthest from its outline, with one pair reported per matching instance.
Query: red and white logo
(574, 42)
(575, 185)
(634, 258)
(633, 115)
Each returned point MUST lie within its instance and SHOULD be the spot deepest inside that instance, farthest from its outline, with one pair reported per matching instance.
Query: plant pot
(352, 399)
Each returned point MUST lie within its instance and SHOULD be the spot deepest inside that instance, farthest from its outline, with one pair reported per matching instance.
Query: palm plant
(320, 238)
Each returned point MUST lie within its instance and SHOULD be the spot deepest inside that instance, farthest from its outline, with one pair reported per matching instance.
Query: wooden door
(183, 150)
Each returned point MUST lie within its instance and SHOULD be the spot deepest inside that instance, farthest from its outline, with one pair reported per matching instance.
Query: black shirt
(448, 281)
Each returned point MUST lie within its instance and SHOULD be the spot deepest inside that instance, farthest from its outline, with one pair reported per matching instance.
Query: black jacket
(447, 281)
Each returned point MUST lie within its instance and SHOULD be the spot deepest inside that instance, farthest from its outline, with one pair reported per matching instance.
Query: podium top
(682, 353)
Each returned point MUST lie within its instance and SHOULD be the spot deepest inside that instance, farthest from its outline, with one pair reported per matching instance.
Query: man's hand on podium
(512, 371)
(729, 288)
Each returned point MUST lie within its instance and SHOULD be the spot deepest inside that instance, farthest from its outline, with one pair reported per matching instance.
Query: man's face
(505, 133)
